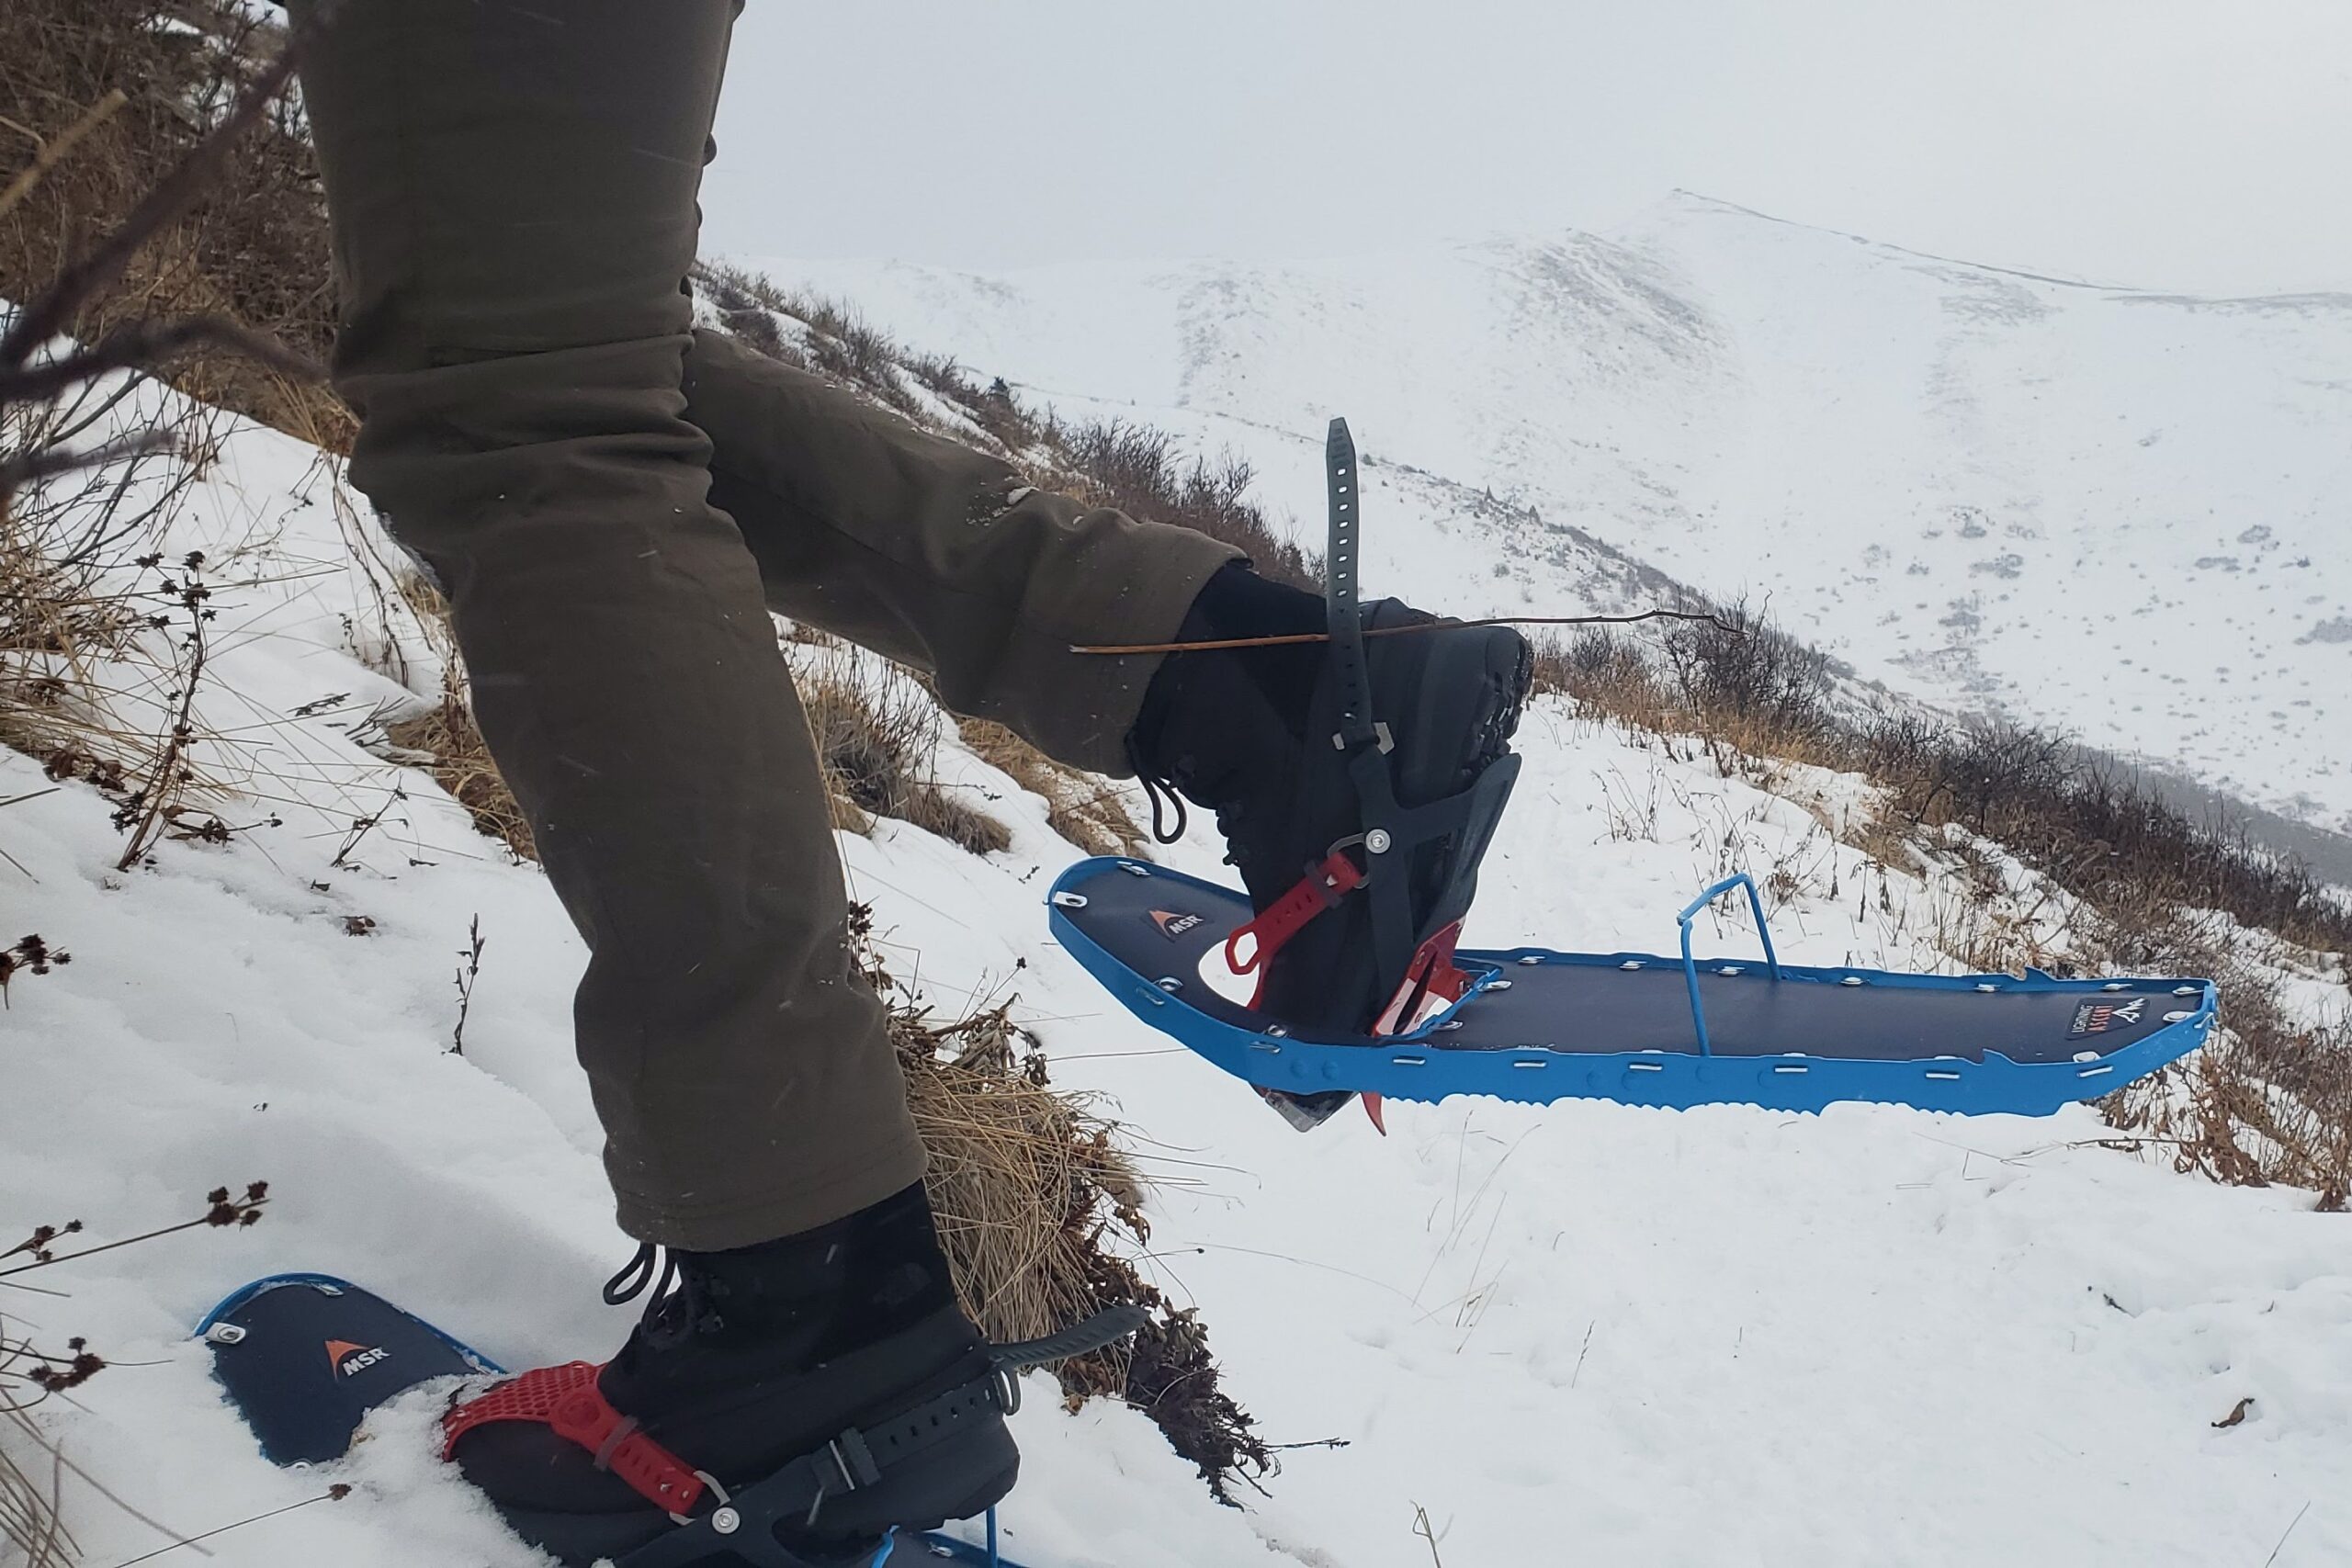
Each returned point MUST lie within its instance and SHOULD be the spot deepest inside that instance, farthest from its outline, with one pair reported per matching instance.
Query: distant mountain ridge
(2119, 514)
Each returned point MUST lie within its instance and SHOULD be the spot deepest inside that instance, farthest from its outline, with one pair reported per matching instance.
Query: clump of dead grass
(460, 763)
(878, 735)
(1084, 808)
(251, 248)
(1040, 1209)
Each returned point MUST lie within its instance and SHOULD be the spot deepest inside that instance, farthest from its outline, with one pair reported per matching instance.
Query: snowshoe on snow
(798, 1405)
(1357, 785)
(785, 1406)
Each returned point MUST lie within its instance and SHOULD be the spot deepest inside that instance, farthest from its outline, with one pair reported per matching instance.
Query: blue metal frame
(1691, 970)
(1409, 1067)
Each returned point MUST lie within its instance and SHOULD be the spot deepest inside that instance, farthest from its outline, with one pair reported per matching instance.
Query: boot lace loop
(1165, 801)
(632, 1281)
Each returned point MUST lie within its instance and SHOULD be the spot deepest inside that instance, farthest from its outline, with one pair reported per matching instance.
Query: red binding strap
(1322, 888)
(567, 1399)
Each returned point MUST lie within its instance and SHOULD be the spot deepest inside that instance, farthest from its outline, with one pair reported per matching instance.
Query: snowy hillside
(1578, 1334)
(2119, 514)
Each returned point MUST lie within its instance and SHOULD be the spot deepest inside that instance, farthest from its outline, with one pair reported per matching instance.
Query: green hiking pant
(613, 503)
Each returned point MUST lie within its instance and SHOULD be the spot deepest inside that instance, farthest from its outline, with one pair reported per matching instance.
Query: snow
(1576, 1333)
(2114, 513)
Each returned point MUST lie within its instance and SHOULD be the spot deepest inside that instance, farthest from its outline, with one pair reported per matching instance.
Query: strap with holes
(567, 1399)
(1354, 680)
(1321, 888)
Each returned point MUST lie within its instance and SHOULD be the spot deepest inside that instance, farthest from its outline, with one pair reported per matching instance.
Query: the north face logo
(349, 1358)
(1173, 925)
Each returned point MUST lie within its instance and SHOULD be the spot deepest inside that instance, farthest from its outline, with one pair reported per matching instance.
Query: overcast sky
(2195, 144)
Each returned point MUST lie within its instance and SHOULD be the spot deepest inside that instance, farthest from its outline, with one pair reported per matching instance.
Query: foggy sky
(2166, 143)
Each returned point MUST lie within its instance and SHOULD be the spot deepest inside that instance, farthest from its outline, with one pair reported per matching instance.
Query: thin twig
(1292, 637)
(466, 977)
(236, 1212)
(145, 344)
(334, 1494)
(2282, 1540)
(31, 467)
(54, 149)
(1422, 1527)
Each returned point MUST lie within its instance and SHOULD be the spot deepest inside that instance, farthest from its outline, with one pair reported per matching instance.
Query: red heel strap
(567, 1399)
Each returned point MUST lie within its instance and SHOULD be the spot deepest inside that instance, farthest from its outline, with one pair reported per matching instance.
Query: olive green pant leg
(940, 557)
(513, 192)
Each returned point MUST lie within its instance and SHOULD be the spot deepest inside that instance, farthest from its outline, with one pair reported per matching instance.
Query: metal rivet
(726, 1521)
(1851, 980)
(1378, 840)
(2115, 986)
(225, 1334)
(1070, 900)
(2178, 1017)
(1631, 964)
(1531, 959)
(1499, 984)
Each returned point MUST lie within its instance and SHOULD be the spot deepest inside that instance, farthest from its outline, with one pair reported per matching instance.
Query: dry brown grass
(254, 247)
(1085, 808)
(462, 765)
(1040, 1210)
(65, 544)
(878, 739)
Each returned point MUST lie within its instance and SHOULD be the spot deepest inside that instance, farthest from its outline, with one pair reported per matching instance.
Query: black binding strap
(744, 1524)
(1106, 1327)
(1354, 681)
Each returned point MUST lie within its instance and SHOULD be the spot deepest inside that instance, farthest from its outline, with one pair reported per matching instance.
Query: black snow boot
(787, 1404)
(1255, 736)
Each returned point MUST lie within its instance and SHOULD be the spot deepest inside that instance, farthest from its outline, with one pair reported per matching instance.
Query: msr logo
(351, 1359)
(1173, 925)
(2097, 1018)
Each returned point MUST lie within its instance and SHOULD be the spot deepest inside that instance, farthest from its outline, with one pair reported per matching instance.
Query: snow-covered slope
(1576, 1334)
(2120, 514)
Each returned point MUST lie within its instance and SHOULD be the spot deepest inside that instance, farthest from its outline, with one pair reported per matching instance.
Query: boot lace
(677, 1304)
(1158, 791)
